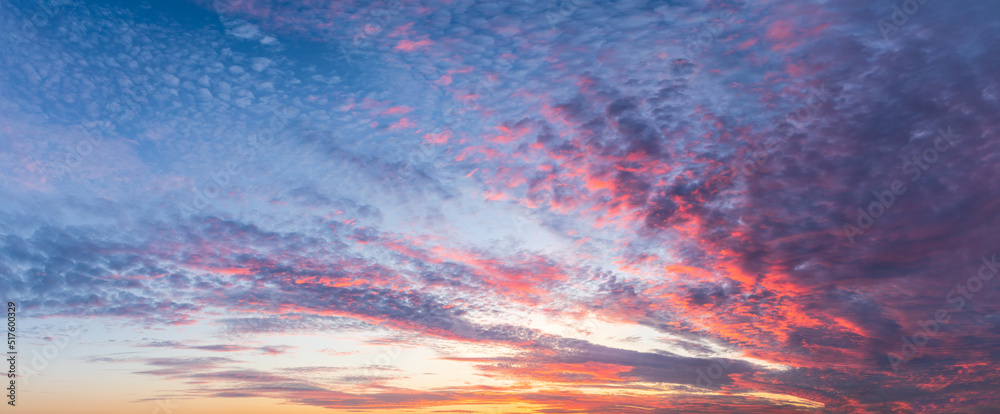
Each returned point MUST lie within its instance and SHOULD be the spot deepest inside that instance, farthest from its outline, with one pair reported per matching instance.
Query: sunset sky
(573, 206)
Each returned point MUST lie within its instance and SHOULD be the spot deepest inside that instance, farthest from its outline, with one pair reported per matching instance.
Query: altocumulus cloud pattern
(500, 206)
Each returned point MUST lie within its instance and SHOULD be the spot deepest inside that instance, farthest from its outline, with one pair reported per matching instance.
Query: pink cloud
(409, 45)
(402, 109)
(402, 124)
(439, 138)
(444, 81)
(402, 31)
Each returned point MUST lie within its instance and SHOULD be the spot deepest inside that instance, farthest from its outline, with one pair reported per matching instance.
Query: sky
(501, 206)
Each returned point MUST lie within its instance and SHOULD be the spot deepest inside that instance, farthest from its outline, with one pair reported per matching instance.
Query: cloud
(675, 179)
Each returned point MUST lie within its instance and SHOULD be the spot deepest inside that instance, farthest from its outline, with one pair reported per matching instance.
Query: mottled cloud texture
(553, 207)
